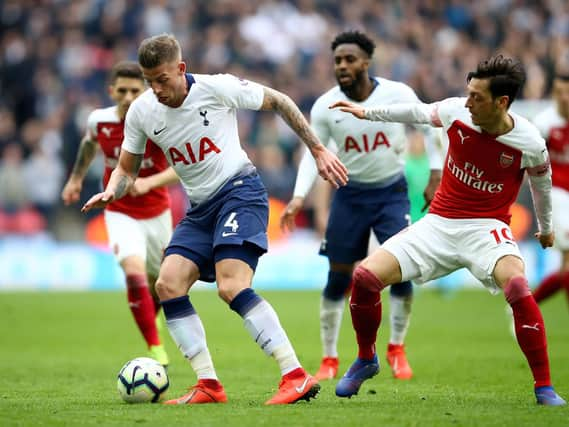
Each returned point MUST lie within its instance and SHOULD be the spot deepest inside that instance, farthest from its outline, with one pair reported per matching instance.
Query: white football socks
(399, 317)
(331, 313)
(189, 334)
(263, 325)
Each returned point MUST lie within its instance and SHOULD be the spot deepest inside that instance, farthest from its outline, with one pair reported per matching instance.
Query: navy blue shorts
(355, 211)
(233, 224)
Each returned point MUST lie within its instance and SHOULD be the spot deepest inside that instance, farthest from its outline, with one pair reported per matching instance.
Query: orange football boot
(398, 362)
(291, 390)
(328, 369)
(205, 391)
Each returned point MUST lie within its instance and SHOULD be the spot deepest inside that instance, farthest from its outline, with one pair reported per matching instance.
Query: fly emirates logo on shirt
(189, 156)
(472, 176)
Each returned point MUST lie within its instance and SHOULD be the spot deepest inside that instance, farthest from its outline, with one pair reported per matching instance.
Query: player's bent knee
(229, 289)
(364, 278)
(167, 289)
(516, 288)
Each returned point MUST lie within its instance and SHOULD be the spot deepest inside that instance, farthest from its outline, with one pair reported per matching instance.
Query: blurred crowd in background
(55, 56)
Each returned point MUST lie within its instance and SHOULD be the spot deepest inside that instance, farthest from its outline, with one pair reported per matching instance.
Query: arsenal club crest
(506, 159)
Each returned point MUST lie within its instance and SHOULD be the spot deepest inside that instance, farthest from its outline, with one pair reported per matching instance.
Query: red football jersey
(482, 174)
(555, 129)
(107, 129)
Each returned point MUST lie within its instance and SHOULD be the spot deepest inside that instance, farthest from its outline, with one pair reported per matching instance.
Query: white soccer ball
(142, 380)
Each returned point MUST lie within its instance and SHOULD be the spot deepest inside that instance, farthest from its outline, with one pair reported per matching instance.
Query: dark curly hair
(506, 75)
(354, 37)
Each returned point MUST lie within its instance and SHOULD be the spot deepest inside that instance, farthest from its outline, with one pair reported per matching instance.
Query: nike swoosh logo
(187, 398)
(302, 387)
(157, 132)
(224, 234)
(536, 326)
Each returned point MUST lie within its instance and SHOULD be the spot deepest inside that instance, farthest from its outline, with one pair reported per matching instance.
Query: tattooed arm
(329, 166)
(120, 182)
(72, 189)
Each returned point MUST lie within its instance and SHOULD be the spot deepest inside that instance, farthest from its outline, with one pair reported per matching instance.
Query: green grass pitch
(60, 353)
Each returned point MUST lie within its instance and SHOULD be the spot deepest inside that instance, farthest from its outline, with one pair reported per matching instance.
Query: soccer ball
(142, 380)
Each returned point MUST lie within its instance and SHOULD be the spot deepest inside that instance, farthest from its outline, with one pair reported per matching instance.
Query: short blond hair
(157, 50)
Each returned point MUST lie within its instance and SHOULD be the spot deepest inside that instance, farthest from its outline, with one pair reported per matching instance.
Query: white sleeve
(410, 113)
(92, 122)
(235, 92)
(539, 172)
(437, 114)
(134, 140)
(307, 173)
(540, 187)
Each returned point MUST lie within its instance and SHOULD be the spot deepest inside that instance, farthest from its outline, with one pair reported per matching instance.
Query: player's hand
(72, 191)
(140, 187)
(329, 166)
(99, 200)
(546, 240)
(290, 212)
(349, 107)
(431, 188)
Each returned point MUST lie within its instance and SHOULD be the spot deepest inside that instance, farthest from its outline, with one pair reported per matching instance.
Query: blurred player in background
(490, 150)
(375, 198)
(553, 124)
(139, 228)
(193, 119)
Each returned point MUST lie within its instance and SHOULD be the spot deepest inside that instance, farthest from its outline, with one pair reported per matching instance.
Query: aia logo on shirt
(506, 159)
(365, 145)
(190, 157)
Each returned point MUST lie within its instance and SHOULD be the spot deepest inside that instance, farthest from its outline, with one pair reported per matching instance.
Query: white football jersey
(200, 138)
(371, 151)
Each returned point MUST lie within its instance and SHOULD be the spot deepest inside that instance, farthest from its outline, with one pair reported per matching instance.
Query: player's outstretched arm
(119, 184)
(142, 186)
(349, 107)
(72, 189)
(329, 166)
(410, 113)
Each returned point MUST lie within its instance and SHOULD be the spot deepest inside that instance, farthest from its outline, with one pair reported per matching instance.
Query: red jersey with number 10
(482, 173)
(107, 129)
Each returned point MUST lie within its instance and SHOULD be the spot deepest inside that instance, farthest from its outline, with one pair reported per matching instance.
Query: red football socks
(365, 308)
(547, 287)
(530, 330)
(142, 307)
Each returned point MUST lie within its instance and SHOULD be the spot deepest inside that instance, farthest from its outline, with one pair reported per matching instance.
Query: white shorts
(435, 246)
(146, 238)
(560, 201)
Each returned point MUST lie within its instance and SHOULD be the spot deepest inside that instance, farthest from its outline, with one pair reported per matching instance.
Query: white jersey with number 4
(200, 138)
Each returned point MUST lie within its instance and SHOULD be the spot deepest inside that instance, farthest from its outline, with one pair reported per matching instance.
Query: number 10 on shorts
(502, 235)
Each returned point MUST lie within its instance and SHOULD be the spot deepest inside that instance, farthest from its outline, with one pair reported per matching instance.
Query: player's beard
(351, 87)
